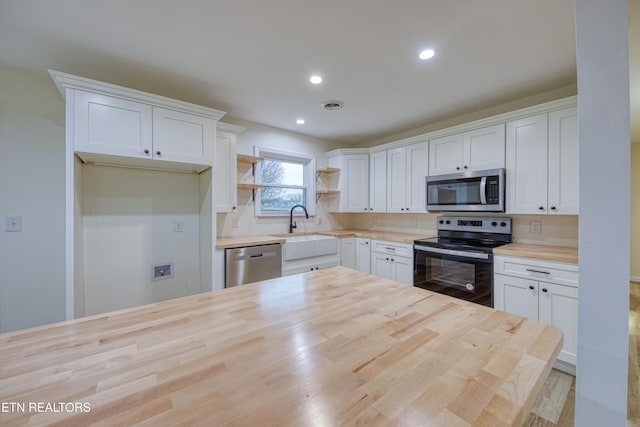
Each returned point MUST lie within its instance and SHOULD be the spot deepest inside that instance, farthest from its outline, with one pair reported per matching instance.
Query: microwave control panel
(493, 190)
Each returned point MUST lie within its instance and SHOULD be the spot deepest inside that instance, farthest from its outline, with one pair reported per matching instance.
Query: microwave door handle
(483, 190)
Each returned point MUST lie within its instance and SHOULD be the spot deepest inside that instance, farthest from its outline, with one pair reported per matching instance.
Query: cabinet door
(226, 167)
(516, 295)
(563, 162)
(417, 171)
(403, 270)
(348, 252)
(112, 126)
(354, 179)
(559, 307)
(381, 266)
(378, 182)
(182, 137)
(445, 155)
(527, 165)
(396, 179)
(484, 148)
(363, 255)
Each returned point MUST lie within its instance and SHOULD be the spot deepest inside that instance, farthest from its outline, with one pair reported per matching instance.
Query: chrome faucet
(292, 223)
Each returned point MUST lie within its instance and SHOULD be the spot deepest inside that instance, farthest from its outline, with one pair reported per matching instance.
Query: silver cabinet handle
(537, 271)
(389, 248)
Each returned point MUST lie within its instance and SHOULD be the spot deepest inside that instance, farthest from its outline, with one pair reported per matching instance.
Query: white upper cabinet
(378, 182)
(542, 164)
(113, 126)
(226, 167)
(182, 137)
(527, 165)
(407, 169)
(353, 182)
(563, 162)
(473, 150)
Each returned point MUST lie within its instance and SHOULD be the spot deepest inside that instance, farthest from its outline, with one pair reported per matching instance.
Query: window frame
(309, 180)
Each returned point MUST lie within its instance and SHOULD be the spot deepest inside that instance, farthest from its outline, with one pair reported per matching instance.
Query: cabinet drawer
(392, 248)
(546, 271)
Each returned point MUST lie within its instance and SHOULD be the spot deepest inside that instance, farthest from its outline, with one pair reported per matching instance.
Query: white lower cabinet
(363, 255)
(541, 290)
(348, 252)
(392, 260)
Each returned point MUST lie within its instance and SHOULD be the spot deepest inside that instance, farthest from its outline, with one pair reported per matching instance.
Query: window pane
(277, 172)
(281, 199)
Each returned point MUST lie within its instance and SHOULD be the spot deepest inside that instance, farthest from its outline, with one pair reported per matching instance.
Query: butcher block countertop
(549, 253)
(330, 347)
(238, 242)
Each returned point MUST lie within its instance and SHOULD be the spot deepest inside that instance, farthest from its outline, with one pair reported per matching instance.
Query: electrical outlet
(413, 221)
(13, 223)
(319, 220)
(178, 226)
(234, 223)
(535, 227)
(374, 220)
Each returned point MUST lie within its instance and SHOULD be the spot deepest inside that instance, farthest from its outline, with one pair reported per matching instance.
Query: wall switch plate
(162, 271)
(535, 227)
(13, 223)
(178, 226)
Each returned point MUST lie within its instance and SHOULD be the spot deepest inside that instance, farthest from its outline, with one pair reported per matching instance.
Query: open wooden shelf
(252, 160)
(328, 170)
(327, 191)
(249, 186)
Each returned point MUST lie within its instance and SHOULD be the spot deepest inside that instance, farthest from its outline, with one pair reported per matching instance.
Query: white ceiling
(253, 58)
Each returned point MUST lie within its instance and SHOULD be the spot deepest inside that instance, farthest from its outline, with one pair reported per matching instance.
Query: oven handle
(463, 254)
(483, 190)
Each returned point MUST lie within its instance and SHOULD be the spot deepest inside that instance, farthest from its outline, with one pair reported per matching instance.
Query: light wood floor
(560, 387)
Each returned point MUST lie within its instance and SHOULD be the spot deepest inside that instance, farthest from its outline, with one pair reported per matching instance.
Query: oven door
(461, 274)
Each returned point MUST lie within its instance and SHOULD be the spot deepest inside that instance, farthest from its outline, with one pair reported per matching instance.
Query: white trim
(634, 279)
(228, 127)
(69, 81)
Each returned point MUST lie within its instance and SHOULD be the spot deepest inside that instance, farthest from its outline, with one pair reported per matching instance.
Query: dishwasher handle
(253, 256)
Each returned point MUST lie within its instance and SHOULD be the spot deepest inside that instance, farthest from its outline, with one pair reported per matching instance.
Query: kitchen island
(326, 348)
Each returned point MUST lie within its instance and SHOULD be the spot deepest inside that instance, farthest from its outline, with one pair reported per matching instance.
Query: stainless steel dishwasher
(252, 264)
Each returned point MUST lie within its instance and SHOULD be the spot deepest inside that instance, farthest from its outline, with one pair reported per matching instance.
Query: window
(288, 180)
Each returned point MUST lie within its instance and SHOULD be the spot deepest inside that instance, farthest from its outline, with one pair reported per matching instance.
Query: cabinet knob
(371, 209)
(465, 166)
(146, 151)
(407, 208)
(553, 208)
(402, 209)
(457, 168)
(531, 287)
(545, 290)
(233, 208)
(365, 209)
(391, 259)
(366, 243)
(158, 153)
(387, 259)
(311, 269)
(541, 208)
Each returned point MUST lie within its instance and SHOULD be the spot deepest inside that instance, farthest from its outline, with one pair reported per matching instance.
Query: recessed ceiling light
(426, 54)
(300, 121)
(316, 80)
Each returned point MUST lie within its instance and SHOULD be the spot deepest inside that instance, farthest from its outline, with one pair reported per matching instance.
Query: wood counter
(545, 252)
(330, 347)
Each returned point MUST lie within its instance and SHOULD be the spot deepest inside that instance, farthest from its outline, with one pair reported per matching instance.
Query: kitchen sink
(307, 246)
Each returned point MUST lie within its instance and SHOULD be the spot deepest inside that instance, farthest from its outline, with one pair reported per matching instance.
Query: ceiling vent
(332, 105)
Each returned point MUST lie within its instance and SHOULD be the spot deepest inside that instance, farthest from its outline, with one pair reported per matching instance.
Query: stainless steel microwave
(481, 191)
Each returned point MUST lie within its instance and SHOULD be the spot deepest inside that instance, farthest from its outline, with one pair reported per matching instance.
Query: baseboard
(635, 279)
(569, 368)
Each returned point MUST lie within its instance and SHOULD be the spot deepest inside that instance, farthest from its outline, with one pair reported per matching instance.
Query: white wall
(128, 225)
(603, 129)
(32, 138)
(244, 219)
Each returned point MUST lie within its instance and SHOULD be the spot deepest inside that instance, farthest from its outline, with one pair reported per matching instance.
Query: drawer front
(392, 248)
(546, 271)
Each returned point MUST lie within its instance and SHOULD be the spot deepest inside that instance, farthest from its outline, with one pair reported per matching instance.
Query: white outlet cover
(13, 223)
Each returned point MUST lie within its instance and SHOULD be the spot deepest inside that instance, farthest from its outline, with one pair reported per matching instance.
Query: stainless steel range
(459, 262)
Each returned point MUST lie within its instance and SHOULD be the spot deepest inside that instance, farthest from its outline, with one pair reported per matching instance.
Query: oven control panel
(476, 224)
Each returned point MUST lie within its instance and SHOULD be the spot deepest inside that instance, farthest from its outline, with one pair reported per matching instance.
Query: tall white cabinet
(226, 167)
(139, 194)
(407, 169)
